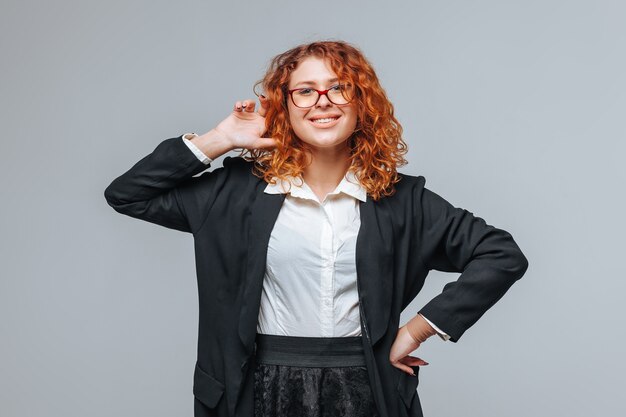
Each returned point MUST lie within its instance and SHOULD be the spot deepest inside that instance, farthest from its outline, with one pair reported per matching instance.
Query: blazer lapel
(374, 262)
(263, 214)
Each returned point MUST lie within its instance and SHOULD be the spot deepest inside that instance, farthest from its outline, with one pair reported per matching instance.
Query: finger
(404, 368)
(413, 361)
(265, 104)
(248, 105)
(266, 143)
(238, 106)
(409, 359)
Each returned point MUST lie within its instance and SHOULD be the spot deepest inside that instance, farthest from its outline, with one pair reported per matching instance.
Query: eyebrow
(330, 80)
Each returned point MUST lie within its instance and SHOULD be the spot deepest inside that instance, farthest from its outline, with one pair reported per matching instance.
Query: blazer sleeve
(161, 187)
(455, 240)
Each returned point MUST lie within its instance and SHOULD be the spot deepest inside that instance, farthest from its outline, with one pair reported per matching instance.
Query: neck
(327, 167)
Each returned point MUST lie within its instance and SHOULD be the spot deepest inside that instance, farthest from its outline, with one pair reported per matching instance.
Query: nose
(323, 101)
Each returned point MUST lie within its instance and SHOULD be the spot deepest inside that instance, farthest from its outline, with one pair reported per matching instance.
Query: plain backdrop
(513, 110)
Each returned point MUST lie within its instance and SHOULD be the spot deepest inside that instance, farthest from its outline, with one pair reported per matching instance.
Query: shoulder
(408, 180)
(411, 191)
(409, 186)
(236, 163)
(241, 170)
(235, 173)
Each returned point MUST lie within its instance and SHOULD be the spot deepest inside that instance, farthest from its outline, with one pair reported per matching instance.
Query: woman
(310, 244)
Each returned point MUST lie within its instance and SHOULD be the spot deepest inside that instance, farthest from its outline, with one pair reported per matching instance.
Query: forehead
(314, 70)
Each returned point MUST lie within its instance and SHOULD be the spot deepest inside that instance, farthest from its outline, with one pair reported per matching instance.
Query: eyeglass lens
(308, 97)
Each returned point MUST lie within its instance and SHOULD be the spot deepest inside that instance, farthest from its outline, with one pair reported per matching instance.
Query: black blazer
(401, 238)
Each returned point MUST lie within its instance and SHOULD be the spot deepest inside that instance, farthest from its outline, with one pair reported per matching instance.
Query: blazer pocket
(407, 385)
(206, 388)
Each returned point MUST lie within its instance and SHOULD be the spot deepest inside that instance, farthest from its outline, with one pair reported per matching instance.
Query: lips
(324, 116)
(329, 120)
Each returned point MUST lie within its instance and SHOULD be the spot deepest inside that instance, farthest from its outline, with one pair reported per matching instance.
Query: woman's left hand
(400, 349)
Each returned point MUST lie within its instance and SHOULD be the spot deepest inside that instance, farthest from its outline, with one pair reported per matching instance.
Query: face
(313, 72)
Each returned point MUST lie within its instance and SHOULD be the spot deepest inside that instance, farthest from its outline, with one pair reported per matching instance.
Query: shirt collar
(349, 185)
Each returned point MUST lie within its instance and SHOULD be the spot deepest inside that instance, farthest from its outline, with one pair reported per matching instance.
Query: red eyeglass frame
(320, 94)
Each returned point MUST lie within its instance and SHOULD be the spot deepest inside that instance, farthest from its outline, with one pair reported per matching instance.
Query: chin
(325, 142)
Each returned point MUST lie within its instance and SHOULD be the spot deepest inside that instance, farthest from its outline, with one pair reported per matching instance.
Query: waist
(309, 351)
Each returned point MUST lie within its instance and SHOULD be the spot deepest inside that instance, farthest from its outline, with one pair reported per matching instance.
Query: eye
(304, 91)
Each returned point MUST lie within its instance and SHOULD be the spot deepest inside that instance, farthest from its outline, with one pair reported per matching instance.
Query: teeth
(325, 120)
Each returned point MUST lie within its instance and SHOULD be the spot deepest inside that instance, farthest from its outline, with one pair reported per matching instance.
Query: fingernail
(413, 374)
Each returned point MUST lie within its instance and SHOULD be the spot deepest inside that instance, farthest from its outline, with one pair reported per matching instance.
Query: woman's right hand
(244, 127)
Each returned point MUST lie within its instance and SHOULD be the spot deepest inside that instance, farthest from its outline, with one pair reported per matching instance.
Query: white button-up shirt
(309, 287)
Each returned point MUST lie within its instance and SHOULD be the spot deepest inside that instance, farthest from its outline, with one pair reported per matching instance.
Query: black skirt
(311, 377)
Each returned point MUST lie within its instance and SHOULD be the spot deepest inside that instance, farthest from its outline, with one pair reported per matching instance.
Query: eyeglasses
(308, 97)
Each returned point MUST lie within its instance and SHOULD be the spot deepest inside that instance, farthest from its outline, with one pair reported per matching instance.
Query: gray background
(513, 110)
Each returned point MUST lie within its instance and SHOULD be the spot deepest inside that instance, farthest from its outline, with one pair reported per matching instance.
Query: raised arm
(157, 187)
(151, 189)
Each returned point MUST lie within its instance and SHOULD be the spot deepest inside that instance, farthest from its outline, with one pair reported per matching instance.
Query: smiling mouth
(321, 121)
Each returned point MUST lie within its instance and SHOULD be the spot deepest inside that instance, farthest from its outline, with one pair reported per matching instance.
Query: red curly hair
(376, 145)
